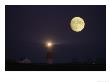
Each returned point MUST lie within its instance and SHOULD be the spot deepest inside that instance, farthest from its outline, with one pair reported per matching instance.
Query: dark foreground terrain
(55, 67)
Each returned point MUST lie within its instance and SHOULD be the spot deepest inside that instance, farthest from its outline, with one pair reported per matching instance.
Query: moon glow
(77, 24)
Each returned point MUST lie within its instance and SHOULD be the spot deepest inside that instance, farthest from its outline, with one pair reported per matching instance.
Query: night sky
(28, 28)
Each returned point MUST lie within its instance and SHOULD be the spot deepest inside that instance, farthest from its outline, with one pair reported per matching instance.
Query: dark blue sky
(27, 28)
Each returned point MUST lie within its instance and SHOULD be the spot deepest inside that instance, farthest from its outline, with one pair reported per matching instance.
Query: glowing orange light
(49, 44)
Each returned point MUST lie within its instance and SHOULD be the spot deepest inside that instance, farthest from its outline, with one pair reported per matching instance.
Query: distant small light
(49, 44)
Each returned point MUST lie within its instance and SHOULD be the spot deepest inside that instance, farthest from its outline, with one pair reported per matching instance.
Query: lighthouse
(49, 46)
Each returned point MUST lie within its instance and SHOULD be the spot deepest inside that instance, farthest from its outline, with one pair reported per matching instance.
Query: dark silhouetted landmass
(14, 66)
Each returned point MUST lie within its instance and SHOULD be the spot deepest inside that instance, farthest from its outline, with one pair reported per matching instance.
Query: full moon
(77, 24)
